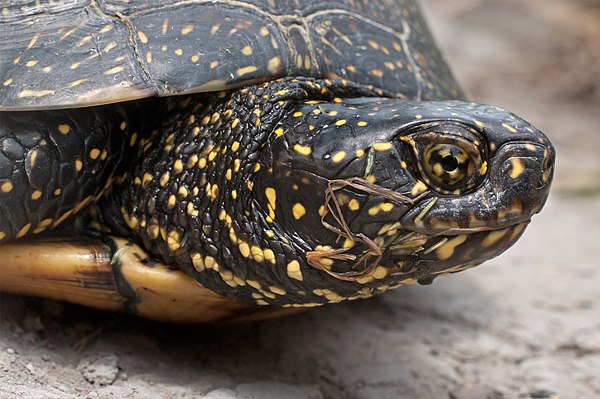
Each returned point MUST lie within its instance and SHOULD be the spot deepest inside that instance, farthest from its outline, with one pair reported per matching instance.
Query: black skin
(190, 191)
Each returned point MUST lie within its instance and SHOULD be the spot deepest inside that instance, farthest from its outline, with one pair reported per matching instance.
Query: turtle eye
(450, 161)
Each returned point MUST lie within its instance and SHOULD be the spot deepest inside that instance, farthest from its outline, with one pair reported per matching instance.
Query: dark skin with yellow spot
(357, 171)
(250, 235)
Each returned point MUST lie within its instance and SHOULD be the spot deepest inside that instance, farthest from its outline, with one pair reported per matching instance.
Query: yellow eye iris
(449, 158)
(447, 164)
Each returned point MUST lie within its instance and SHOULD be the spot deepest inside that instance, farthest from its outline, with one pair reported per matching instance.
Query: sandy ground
(525, 325)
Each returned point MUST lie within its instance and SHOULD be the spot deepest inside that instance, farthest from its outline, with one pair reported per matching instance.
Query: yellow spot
(57, 191)
(195, 58)
(143, 37)
(247, 50)
(244, 249)
(493, 237)
(64, 129)
(269, 255)
(446, 250)
(418, 116)
(483, 168)
(340, 122)
(173, 240)
(78, 165)
(509, 128)
(263, 31)
(75, 83)
(198, 262)
(338, 157)
(354, 205)
(31, 63)
(418, 188)
(23, 230)
(517, 168)
(273, 65)
(187, 29)
(279, 131)
(7, 82)
(246, 70)
(297, 114)
(228, 174)
(478, 123)
(94, 153)
(2, 235)
(34, 93)
(178, 166)
(178, 51)
(380, 272)
(6, 187)
(36, 195)
(382, 146)
(332, 113)
(298, 210)
(210, 263)
(293, 270)
(387, 206)
(214, 191)
(277, 290)
(171, 201)
(306, 151)
(114, 70)
(374, 210)
(362, 123)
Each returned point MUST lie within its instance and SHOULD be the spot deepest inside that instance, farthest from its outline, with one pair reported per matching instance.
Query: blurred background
(525, 325)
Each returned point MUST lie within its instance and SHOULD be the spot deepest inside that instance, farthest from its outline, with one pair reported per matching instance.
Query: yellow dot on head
(382, 146)
(302, 149)
(6, 186)
(360, 153)
(387, 206)
(340, 122)
(297, 114)
(64, 129)
(279, 131)
(338, 156)
(354, 205)
(362, 123)
(298, 210)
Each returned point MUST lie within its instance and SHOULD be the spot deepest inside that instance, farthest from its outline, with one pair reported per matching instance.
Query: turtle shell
(79, 53)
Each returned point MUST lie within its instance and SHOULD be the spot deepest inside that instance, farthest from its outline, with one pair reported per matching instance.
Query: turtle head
(379, 188)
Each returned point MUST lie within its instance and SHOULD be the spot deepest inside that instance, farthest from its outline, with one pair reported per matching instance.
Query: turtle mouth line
(475, 230)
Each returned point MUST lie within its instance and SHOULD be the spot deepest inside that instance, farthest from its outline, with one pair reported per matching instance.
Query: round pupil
(449, 163)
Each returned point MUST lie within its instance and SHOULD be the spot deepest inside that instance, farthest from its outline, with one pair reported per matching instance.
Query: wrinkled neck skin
(307, 192)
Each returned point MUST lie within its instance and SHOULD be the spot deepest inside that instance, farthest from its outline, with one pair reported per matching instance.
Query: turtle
(198, 160)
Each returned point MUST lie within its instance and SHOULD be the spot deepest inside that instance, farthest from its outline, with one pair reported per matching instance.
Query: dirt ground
(525, 325)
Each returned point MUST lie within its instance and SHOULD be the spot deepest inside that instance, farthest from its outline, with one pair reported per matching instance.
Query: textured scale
(112, 52)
